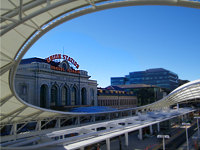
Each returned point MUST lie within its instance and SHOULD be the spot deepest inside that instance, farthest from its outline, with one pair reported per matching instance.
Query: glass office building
(157, 76)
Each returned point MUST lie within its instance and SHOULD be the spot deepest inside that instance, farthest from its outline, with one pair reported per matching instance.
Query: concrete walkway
(134, 143)
(194, 143)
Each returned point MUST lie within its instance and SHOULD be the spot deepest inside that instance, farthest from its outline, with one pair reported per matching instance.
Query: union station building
(50, 84)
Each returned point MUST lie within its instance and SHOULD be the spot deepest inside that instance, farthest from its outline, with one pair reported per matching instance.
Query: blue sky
(114, 42)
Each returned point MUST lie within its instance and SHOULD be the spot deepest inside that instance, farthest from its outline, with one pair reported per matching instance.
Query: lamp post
(198, 125)
(186, 125)
(163, 137)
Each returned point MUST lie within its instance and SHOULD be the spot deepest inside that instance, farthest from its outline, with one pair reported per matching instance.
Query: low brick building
(116, 98)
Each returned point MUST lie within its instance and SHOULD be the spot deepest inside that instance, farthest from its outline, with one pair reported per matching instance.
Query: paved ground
(134, 143)
(194, 143)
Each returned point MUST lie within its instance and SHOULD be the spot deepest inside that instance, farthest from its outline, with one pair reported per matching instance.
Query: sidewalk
(194, 143)
(134, 143)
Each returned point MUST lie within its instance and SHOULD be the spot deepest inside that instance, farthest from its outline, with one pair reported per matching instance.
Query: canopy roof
(23, 22)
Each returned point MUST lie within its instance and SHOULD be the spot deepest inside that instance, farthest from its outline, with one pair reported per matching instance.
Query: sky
(114, 42)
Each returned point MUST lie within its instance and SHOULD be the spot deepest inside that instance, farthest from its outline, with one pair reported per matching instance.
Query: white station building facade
(55, 84)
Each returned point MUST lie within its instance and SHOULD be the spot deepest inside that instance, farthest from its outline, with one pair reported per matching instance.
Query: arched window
(54, 95)
(64, 66)
(43, 95)
(23, 89)
(83, 96)
(73, 96)
(64, 96)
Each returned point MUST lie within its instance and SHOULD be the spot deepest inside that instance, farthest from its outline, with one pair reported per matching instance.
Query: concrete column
(136, 112)
(120, 114)
(109, 116)
(151, 129)
(198, 127)
(82, 148)
(126, 138)
(158, 127)
(14, 129)
(93, 118)
(177, 105)
(39, 125)
(58, 123)
(78, 120)
(108, 144)
(107, 128)
(182, 118)
(130, 113)
(140, 134)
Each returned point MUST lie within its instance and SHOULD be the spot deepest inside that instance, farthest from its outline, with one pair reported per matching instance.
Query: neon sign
(62, 69)
(65, 57)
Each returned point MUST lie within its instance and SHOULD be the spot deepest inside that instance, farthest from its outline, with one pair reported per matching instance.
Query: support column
(140, 134)
(107, 127)
(126, 138)
(78, 120)
(14, 129)
(158, 127)
(82, 148)
(120, 114)
(177, 106)
(58, 123)
(108, 144)
(38, 126)
(182, 118)
(93, 118)
(198, 127)
(151, 129)
(136, 112)
(109, 116)
(130, 113)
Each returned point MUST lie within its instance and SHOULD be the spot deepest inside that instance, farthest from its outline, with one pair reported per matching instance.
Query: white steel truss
(23, 22)
(80, 137)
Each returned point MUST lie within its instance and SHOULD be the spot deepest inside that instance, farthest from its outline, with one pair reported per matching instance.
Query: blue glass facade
(160, 77)
(117, 80)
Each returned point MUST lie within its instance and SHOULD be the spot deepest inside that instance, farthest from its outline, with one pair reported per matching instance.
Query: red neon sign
(65, 57)
(62, 69)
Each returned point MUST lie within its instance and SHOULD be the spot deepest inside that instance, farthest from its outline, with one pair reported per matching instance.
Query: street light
(186, 126)
(198, 125)
(163, 137)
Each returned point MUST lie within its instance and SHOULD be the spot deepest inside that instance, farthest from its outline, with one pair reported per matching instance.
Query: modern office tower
(157, 76)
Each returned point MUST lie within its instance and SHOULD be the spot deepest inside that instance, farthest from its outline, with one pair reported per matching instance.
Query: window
(43, 95)
(54, 95)
(73, 96)
(64, 66)
(64, 96)
(23, 89)
(84, 96)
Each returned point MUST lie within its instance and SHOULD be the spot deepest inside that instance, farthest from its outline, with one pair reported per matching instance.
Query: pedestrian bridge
(24, 22)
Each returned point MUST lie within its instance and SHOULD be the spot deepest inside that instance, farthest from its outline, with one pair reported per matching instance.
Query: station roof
(93, 109)
(35, 59)
(24, 22)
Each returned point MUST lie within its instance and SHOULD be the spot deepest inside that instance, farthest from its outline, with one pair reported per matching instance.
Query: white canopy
(23, 22)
